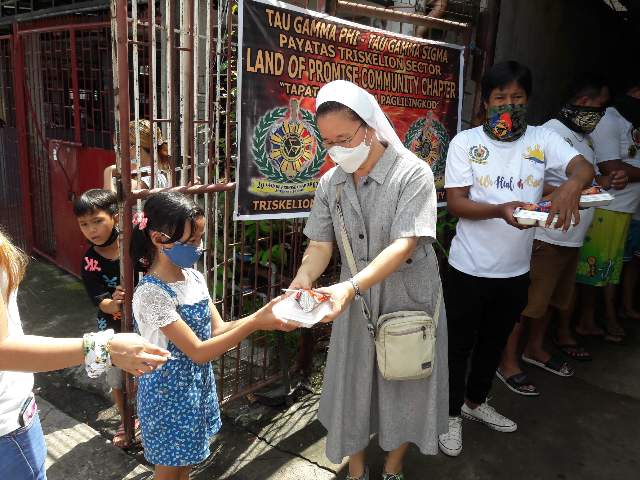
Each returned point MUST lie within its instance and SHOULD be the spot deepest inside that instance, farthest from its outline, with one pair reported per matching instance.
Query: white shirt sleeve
(606, 139)
(557, 152)
(153, 306)
(458, 171)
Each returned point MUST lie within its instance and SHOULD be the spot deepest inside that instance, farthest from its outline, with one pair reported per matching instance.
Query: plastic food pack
(595, 196)
(304, 307)
(535, 214)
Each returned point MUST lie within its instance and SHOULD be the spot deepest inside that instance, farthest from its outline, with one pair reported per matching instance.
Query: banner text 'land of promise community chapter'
(286, 55)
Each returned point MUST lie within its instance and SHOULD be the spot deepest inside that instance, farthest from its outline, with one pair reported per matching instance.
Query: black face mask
(112, 238)
(580, 119)
(629, 108)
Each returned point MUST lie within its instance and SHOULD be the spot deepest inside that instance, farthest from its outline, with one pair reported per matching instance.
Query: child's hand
(265, 319)
(118, 295)
(134, 354)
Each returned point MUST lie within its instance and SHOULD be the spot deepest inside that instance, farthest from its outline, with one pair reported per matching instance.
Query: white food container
(528, 217)
(596, 200)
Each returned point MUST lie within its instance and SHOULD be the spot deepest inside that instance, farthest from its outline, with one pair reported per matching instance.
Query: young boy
(492, 170)
(96, 211)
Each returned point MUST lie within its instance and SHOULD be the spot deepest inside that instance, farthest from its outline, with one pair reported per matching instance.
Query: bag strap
(351, 261)
(436, 314)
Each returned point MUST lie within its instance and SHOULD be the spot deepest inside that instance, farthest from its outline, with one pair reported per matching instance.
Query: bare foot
(540, 356)
(508, 371)
(590, 331)
(565, 338)
(615, 329)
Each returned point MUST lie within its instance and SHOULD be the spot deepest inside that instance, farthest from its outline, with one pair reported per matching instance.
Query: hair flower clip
(140, 220)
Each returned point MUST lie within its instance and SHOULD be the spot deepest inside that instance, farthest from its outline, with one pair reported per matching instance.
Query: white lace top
(153, 308)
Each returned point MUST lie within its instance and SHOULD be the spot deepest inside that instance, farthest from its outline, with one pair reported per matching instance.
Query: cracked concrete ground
(584, 427)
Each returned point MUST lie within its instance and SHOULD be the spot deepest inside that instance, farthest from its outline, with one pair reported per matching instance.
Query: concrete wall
(559, 40)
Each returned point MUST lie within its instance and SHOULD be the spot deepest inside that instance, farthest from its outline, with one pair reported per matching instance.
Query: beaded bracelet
(96, 352)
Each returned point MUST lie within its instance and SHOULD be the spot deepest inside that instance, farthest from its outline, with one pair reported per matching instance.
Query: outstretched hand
(134, 354)
(265, 319)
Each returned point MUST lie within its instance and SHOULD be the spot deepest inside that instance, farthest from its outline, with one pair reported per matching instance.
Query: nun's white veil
(364, 104)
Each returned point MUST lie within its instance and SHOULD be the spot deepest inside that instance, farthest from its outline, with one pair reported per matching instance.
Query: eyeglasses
(344, 142)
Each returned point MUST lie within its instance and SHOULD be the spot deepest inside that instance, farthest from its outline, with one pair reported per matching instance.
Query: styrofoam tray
(528, 217)
(596, 200)
(289, 311)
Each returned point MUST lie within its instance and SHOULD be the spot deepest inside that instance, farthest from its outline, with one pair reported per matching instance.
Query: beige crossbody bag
(405, 340)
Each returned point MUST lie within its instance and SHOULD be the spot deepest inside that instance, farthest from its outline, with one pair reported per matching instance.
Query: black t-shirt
(101, 276)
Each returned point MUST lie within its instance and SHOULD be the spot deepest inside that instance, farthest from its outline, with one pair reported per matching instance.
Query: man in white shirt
(554, 257)
(491, 171)
(616, 142)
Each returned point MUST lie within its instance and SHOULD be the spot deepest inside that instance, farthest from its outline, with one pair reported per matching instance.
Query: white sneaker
(486, 414)
(450, 443)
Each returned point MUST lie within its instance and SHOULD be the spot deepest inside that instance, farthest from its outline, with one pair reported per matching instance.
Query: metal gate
(13, 214)
(56, 133)
(175, 65)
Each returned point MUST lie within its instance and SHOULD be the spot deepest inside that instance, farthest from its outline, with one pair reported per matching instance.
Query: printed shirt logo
(91, 265)
(535, 154)
(110, 282)
(568, 140)
(479, 154)
(503, 183)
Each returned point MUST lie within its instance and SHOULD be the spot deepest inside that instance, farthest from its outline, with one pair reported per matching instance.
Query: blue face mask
(183, 255)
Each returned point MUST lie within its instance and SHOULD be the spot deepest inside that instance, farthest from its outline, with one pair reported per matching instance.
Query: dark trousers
(481, 313)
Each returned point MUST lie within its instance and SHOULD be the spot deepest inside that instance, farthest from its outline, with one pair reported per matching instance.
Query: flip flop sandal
(555, 365)
(574, 351)
(613, 338)
(616, 332)
(518, 383)
(120, 438)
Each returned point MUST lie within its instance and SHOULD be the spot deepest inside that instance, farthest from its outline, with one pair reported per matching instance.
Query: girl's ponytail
(141, 248)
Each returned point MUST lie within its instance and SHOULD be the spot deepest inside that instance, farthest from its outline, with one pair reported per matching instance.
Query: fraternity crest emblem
(479, 154)
(286, 146)
(429, 140)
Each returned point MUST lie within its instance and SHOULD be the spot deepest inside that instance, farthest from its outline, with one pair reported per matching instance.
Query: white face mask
(350, 159)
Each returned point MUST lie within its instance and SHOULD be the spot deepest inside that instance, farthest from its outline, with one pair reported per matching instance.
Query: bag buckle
(372, 330)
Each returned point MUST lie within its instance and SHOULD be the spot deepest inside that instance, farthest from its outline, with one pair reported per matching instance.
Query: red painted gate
(57, 107)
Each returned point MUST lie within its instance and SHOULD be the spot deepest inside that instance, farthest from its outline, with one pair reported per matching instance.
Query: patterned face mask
(581, 119)
(506, 123)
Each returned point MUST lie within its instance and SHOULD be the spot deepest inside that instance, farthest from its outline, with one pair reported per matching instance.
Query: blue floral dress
(177, 404)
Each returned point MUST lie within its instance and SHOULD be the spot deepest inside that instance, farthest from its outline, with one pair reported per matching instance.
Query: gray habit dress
(397, 200)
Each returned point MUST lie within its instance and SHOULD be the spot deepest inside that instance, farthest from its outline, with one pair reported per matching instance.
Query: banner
(285, 55)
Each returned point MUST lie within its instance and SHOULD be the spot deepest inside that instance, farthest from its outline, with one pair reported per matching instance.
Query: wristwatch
(355, 286)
